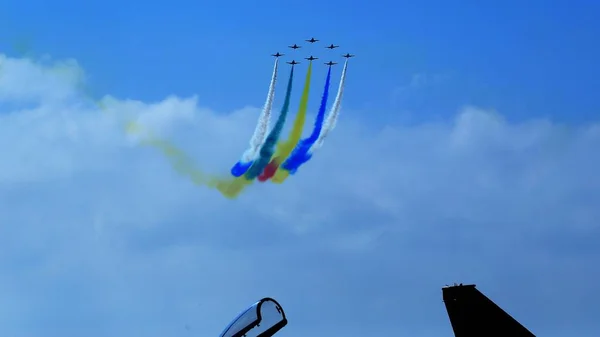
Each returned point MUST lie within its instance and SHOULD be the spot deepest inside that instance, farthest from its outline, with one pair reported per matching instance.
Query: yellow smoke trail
(179, 160)
(182, 164)
(22, 45)
(280, 176)
(229, 187)
(285, 148)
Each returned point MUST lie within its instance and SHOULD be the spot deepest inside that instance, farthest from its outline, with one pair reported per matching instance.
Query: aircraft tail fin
(472, 314)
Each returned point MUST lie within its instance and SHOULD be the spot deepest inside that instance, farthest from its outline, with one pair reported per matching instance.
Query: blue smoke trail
(240, 168)
(268, 148)
(300, 154)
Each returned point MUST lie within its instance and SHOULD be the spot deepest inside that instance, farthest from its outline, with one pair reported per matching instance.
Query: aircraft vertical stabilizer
(472, 314)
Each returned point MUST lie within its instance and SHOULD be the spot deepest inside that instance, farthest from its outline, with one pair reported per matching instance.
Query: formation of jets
(311, 58)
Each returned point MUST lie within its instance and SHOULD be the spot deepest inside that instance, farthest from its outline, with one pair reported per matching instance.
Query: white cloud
(26, 79)
(101, 237)
(418, 81)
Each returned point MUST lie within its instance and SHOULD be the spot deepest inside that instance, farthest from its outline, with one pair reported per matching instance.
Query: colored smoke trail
(300, 154)
(285, 148)
(333, 115)
(268, 148)
(178, 159)
(229, 188)
(259, 132)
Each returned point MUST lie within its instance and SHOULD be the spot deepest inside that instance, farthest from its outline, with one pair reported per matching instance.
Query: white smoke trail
(333, 115)
(262, 126)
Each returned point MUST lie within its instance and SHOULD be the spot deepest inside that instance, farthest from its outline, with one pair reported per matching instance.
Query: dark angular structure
(472, 314)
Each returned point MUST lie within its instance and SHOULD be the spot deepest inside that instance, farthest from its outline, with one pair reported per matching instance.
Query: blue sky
(468, 138)
(532, 59)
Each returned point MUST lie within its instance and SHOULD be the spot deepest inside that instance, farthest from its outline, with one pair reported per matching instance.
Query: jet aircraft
(330, 63)
(295, 46)
(312, 40)
(348, 55)
(293, 62)
(331, 46)
(277, 54)
(311, 58)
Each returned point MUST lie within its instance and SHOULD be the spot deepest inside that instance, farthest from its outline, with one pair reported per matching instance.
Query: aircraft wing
(262, 319)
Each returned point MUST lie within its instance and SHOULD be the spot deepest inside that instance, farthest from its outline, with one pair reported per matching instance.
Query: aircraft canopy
(262, 319)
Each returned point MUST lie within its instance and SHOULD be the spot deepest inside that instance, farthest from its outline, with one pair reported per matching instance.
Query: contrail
(259, 132)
